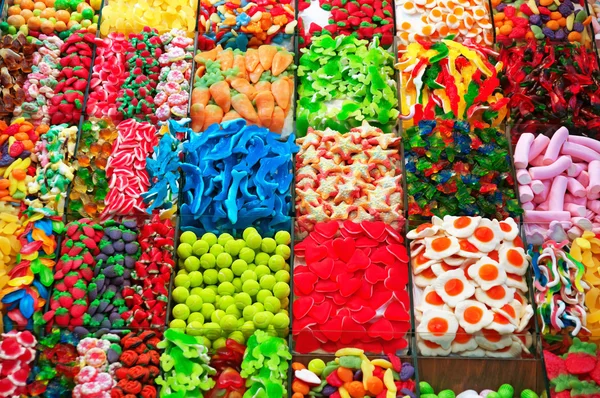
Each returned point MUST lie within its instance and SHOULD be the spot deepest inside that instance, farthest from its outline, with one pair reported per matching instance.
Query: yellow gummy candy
(388, 380)
(8, 217)
(367, 368)
(10, 228)
(349, 351)
(343, 392)
(382, 363)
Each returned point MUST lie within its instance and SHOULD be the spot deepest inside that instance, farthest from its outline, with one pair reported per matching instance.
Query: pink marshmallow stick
(592, 196)
(594, 205)
(575, 169)
(550, 171)
(556, 197)
(539, 145)
(594, 173)
(573, 199)
(574, 232)
(528, 206)
(585, 141)
(538, 186)
(576, 188)
(536, 216)
(589, 214)
(544, 206)
(579, 152)
(538, 161)
(584, 178)
(555, 145)
(523, 176)
(521, 156)
(525, 193)
(575, 210)
(582, 223)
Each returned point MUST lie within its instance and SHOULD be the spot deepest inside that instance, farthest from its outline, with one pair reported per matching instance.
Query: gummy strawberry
(555, 365)
(78, 309)
(584, 389)
(65, 300)
(62, 317)
(581, 357)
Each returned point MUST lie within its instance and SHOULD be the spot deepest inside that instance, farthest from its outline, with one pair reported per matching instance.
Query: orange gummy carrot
(200, 95)
(212, 114)
(281, 61)
(265, 103)
(243, 86)
(265, 55)
(243, 106)
(281, 91)
(252, 60)
(278, 120)
(221, 94)
(231, 115)
(226, 59)
(256, 74)
(197, 116)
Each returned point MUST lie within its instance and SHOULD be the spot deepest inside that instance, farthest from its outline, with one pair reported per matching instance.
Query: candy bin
(470, 286)
(50, 17)
(256, 85)
(239, 25)
(576, 370)
(467, 21)
(329, 92)
(10, 246)
(17, 353)
(446, 69)
(17, 61)
(351, 373)
(367, 20)
(505, 390)
(457, 167)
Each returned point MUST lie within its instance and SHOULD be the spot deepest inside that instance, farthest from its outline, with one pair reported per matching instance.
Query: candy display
(450, 78)
(242, 25)
(257, 86)
(343, 82)
(576, 372)
(453, 167)
(435, 20)
(559, 187)
(504, 391)
(236, 176)
(16, 62)
(95, 357)
(229, 287)
(353, 374)
(17, 353)
(469, 277)
(541, 98)
(367, 20)
(350, 288)
(561, 21)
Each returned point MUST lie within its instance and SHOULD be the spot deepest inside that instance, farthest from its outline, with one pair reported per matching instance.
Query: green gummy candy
(581, 16)
(447, 394)
(429, 396)
(425, 388)
(329, 369)
(506, 391)
(350, 362)
(528, 394)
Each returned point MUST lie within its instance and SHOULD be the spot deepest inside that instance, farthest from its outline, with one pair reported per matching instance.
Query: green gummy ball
(224, 260)
(247, 328)
(233, 310)
(280, 321)
(213, 288)
(184, 250)
(194, 328)
(177, 324)
(208, 261)
(261, 259)
(188, 237)
(237, 283)
(219, 343)
(285, 302)
(204, 341)
(281, 290)
(251, 287)
(262, 270)
(282, 276)
(194, 303)
(238, 267)
(316, 366)
(259, 307)
(248, 231)
(246, 254)
(224, 238)
(225, 275)
(283, 251)
(226, 289)
(262, 295)
(276, 262)
(181, 311)
(182, 271)
(182, 280)
(192, 264)
(212, 331)
(249, 312)
(209, 238)
(242, 300)
(196, 278)
(216, 249)
(197, 291)
(252, 266)
(283, 238)
(217, 315)
(195, 317)
(208, 296)
(207, 310)
(253, 241)
(224, 302)
(211, 276)
(272, 304)
(267, 282)
(263, 319)
(232, 247)
(237, 336)
(228, 323)
(268, 245)
(180, 294)
(248, 275)
(200, 247)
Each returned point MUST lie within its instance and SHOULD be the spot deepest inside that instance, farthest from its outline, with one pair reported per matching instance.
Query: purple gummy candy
(131, 224)
(407, 371)
(93, 293)
(406, 391)
(114, 316)
(80, 331)
(131, 248)
(129, 261)
(118, 281)
(544, 17)
(500, 7)
(119, 246)
(98, 318)
(549, 33)
(328, 390)
(92, 310)
(114, 233)
(109, 272)
(560, 34)
(535, 20)
(108, 250)
(578, 27)
(109, 308)
(103, 305)
(100, 283)
(565, 10)
(129, 236)
(358, 375)
(102, 332)
(112, 356)
(126, 274)
(105, 323)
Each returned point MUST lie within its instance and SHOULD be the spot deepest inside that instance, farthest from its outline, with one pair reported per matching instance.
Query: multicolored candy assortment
(17, 354)
(15, 65)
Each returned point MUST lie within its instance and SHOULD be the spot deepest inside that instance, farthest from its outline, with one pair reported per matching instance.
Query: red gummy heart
(359, 260)
(356, 304)
(302, 306)
(305, 282)
(352, 331)
(396, 345)
(365, 241)
(339, 299)
(321, 312)
(353, 228)
(364, 315)
(339, 267)
(299, 269)
(330, 347)
(315, 253)
(399, 252)
(299, 248)
(375, 229)
(306, 342)
(347, 285)
(395, 311)
(320, 336)
(322, 268)
(397, 279)
(318, 297)
(366, 291)
(400, 329)
(326, 286)
(344, 248)
(402, 296)
(375, 273)
(330, 251)
(381, 328)
(343, 312)
(299, 325)
(380, 296)
(393, 235)
(332, 329)
(374, 347)
(382, 255)
(327, 229)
